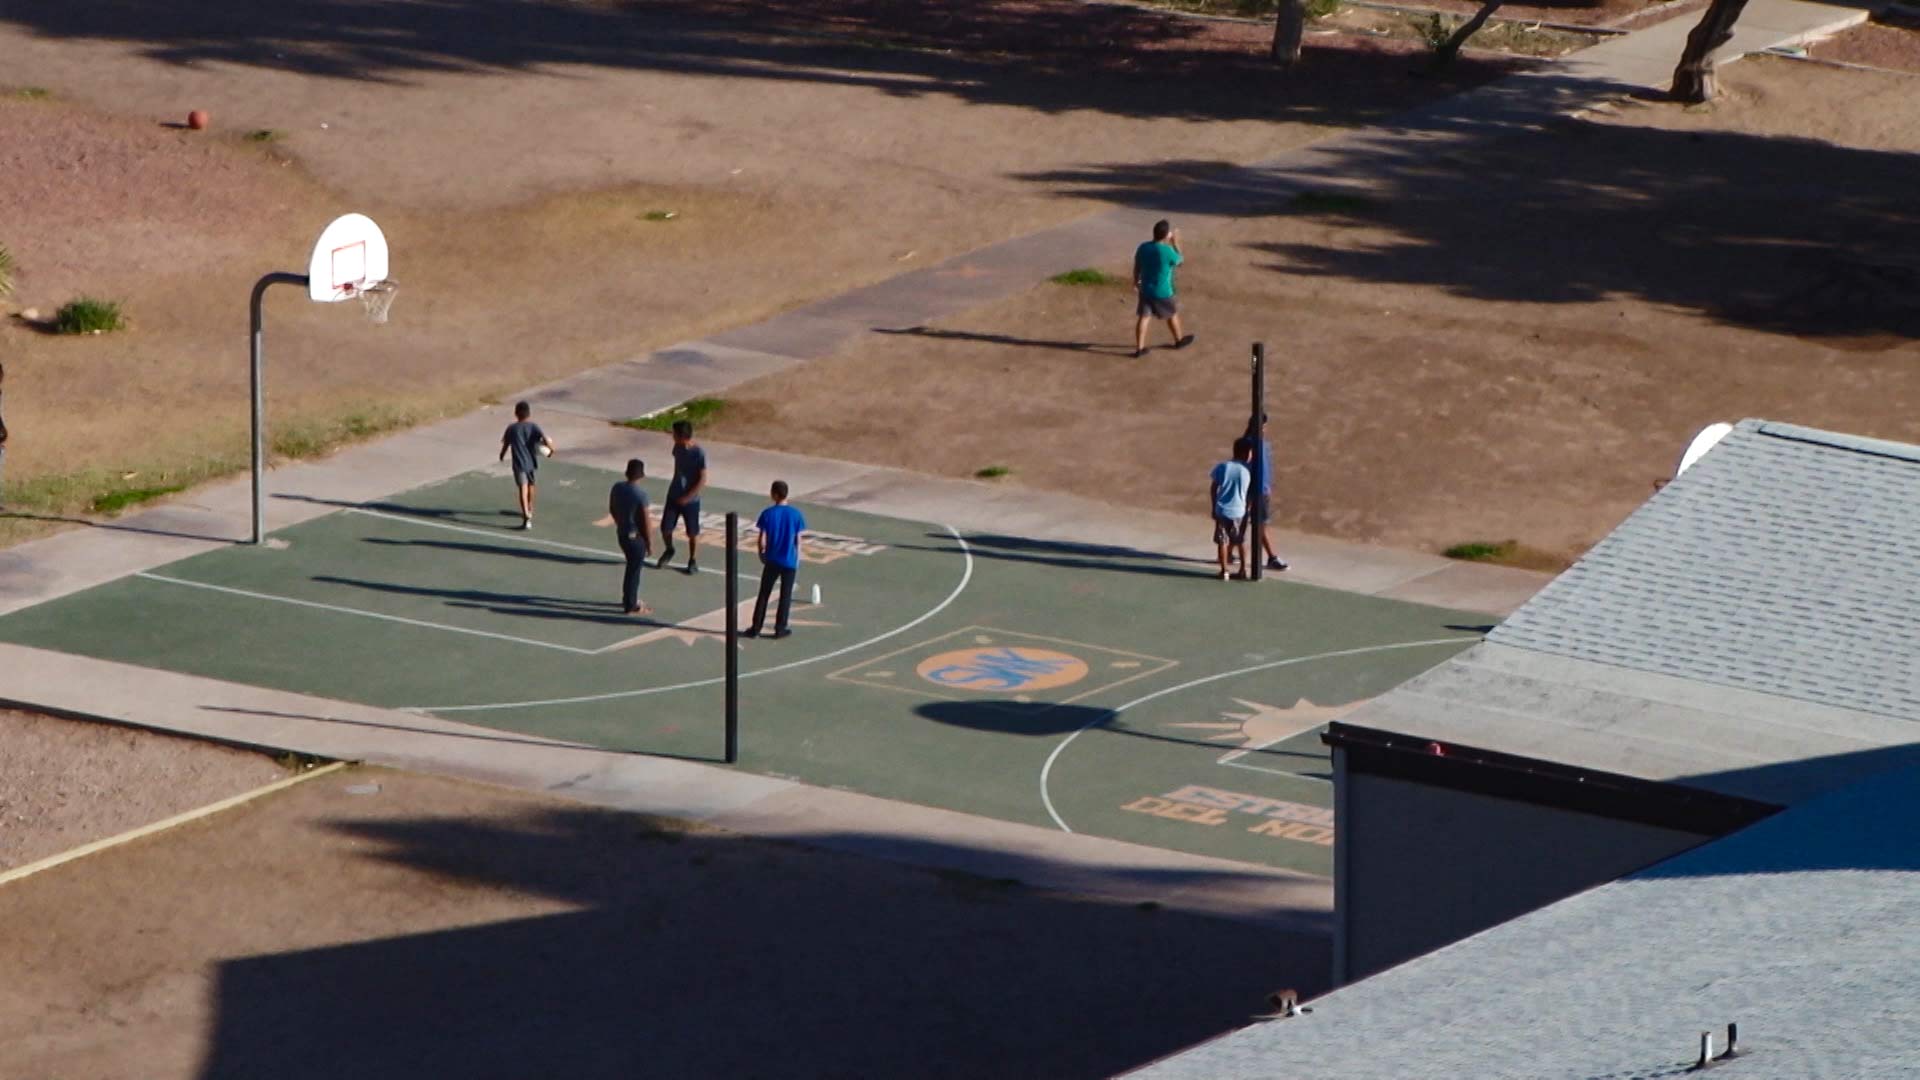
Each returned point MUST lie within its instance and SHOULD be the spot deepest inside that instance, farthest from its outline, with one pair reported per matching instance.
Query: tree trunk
(1693, 79)
(1444, 54)
(1289, 26)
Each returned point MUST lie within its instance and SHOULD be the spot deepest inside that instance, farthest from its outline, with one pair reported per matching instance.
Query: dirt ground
(514, 154)
(1512, 340)
(383, 925)
(64, 783)
(1894, 46)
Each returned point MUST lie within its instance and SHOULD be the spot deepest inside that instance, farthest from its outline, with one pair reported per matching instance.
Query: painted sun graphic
(1263, 725)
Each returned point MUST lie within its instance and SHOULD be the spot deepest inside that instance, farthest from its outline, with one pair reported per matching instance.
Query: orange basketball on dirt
(197, 119)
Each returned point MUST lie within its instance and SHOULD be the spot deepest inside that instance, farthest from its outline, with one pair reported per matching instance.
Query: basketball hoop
(377, 298)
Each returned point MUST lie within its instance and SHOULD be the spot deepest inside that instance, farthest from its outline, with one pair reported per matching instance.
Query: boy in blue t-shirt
(779, 526)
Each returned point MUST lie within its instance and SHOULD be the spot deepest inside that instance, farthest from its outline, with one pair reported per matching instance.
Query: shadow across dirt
(1786, 235)
(1040, 55)
(689, 952)
(1115, 349)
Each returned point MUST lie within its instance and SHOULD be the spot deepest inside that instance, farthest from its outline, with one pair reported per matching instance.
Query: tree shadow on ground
(1045, 56)
(1006, 716)
(1786, 235)
(691, 952)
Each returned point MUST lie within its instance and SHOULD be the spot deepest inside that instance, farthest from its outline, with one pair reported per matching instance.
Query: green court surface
(1108, 691)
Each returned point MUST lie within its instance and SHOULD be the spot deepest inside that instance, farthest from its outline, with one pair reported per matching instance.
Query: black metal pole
(733, 637)
(260, 394)
(1256, 519)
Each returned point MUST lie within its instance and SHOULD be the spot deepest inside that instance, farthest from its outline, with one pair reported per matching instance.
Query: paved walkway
(218, 514)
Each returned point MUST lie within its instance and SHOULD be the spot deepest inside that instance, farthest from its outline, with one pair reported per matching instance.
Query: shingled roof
(1803, 929)
(1786, 561)
(1753, 629)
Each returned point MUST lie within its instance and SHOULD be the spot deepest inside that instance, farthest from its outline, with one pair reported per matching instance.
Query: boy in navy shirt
(683, 495)
(525, 441)
(627, 504)
(779, 526)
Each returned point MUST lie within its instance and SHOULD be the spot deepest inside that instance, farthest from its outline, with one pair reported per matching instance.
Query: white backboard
(1708, 438)
(351, 252)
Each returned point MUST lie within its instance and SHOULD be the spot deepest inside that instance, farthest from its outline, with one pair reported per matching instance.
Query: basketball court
(1108, 691)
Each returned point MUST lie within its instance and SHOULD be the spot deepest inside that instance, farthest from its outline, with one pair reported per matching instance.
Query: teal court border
(431, 601)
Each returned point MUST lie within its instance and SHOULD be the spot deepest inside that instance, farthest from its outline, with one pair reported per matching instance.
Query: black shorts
(1156, 307)
(1229, 530)
(673, 512)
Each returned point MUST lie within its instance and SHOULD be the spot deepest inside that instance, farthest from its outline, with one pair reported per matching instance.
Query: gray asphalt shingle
(1786, 561)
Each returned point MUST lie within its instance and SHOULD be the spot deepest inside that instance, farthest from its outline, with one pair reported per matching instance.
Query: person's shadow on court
(516, 604)
(1007, 717)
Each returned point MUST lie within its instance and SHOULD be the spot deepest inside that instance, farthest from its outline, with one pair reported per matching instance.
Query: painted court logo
(1002, 669)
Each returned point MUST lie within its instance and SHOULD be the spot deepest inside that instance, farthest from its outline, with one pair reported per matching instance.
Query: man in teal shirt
(1153, 264)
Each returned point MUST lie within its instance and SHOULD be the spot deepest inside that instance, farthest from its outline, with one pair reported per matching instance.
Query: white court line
(1275, 772)
(502, 534)
(1047, 769)
(363, 614)
(966, 576)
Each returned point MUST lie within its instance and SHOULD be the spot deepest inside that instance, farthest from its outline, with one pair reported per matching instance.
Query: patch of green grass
(661, 215)
(314, 438)
(113, 502)
(1506, 553)
(1321, 9)
(89, 315)
(1085, 276)
(992, 472)
(1334, 202)
(32, 93)
(295, 762)
(6, 272)
(263, 135)
(698, 411)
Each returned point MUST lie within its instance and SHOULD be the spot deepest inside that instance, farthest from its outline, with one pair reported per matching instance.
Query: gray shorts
(524, 479)
(1157, 308)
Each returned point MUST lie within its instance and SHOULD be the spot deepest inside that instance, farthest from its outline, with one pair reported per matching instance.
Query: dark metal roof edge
(1458, 767)
(1836, 440)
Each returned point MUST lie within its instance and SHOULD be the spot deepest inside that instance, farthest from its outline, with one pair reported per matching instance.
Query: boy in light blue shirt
(1228, 493)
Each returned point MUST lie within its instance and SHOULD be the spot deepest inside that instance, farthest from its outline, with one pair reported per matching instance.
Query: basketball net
(377, 298)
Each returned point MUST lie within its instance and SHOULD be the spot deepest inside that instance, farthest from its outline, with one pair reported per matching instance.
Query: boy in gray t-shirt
(525, 441)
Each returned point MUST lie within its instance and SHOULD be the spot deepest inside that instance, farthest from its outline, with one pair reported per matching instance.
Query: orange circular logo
(1001, 669)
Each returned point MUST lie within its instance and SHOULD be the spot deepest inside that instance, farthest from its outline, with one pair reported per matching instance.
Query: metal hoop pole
(1256, 559)
(733, 637)
(260, 394)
